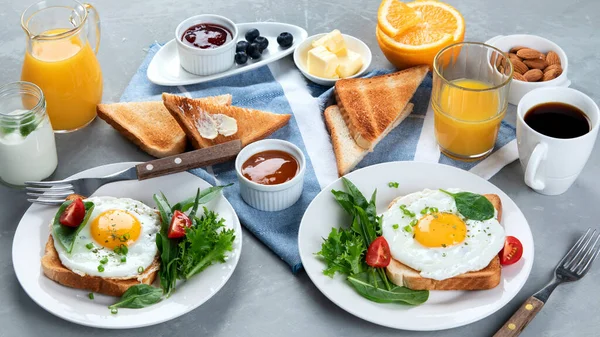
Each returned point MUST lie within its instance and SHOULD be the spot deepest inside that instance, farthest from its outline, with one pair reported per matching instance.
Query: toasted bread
(486, 278)
(56, 271)
(371, 106)
(347, 153)
(149, 125)
(252, 124)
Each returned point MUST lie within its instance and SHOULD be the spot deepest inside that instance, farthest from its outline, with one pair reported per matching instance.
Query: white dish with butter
(354, 47)
(165, 68)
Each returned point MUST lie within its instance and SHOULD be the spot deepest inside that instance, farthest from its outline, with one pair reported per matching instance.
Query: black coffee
(558, 120)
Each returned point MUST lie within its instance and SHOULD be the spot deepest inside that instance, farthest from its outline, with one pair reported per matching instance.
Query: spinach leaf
(167, 248)
(67, 235)
(28, 125)
(139, 296)
(205, 243)
(345, 200)
(472, 206)
(368, 228)
(371, 286)
(357, 196)
(343, 252)
(206, 195)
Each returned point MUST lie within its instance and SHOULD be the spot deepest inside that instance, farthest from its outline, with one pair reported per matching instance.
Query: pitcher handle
(538, 154)
(96, 23)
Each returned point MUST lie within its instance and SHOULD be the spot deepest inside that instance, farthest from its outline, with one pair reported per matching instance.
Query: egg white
(484, 238)
(141, 253)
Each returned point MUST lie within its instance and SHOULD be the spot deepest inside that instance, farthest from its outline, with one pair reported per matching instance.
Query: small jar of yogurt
(27, 147)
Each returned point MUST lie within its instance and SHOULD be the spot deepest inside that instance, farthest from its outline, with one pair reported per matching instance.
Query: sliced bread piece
(252, 125)
(347, 153)
(486, 278)
(370, 106)
(149, 125)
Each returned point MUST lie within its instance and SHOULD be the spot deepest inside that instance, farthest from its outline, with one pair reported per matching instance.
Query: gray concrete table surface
(263, 298)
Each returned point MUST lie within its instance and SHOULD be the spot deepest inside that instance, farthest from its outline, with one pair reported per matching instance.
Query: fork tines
(48, 192)
(579, 259)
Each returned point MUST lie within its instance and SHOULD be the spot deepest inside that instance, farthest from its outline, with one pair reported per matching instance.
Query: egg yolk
(440, 230)
(115, 227)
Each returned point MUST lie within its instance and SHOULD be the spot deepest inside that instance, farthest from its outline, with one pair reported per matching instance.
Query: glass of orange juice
(469, 98)
(63, 37)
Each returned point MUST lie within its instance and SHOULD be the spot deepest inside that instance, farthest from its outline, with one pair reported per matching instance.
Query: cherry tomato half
(378, 254)
(179, 222)
(73, 215)
(512, 251)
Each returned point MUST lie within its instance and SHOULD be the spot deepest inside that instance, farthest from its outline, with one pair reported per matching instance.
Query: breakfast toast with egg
(149, 125)
(347, 153)
(56, 271)
(486, 278)
(371, 106)
(252, 125)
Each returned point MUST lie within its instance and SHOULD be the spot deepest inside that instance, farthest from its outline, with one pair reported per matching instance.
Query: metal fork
(573, 266)
(54, 192)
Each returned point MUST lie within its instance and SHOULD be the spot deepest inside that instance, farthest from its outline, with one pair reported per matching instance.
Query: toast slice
(149, 125)
(486, 278)
(347, 153)
(252, 125)
(56, 271)
(371, 106)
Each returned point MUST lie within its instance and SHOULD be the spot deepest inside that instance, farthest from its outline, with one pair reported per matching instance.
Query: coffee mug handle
(538, 154)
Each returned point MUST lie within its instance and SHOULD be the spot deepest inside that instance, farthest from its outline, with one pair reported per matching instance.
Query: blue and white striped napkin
(281, 88)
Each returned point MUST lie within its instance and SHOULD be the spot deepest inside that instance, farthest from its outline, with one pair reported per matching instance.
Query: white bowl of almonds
(537, 62)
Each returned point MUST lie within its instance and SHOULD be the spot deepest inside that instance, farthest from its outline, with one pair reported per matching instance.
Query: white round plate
(164, 69)
(444, 309)
(73, 304)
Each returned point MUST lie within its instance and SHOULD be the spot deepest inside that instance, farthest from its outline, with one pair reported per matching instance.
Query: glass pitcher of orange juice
(63, 37)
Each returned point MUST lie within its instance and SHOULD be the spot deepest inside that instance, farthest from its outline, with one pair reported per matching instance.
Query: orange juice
(69, 74)
(467, 117)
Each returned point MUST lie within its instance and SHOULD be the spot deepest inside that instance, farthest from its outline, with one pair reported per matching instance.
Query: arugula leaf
(139, 296)
(371, 287)
(343, 252)
(472, 206)
(167, 248)
(67, 235)
(205, 243)
(206, 195)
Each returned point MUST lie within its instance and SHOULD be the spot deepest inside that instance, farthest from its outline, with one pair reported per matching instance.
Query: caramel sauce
(270, 167)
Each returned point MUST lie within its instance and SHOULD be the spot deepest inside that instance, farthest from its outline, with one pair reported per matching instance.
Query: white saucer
(164, 69)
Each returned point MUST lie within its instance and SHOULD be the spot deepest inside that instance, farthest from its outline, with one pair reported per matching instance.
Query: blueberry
(285, 39)
(263, 42)
(241, 46)
(254, 50)
(252, 34)
(241, 57)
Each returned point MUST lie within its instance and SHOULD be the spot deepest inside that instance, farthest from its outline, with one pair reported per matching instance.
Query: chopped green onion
(407, 228)
(91, 296)
(444, 255)
(395, 226)
(414, 222)
(140, 270)
(424, 210)
(123, 259)
(104, 260)
(393, 184)
(444, 245)
(466, 243)
(114, 311)
(434, 209)
(89, 245)
(100, 268)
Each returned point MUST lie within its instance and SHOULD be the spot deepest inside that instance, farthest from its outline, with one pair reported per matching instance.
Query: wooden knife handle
(521, 318)
(189, 160)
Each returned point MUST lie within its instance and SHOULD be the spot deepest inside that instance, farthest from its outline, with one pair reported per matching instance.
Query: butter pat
(210, 126)
(349, 64)
(334, 42)
(322, 62)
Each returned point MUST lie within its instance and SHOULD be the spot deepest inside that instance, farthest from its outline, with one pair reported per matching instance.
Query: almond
(533, 75)
(519, 77)
(556, 67)
(543, 57)
(516, 49)
(550, 74)
(514, 56)
(552, 58)
(519, 67)
(536, 64)
(529, 54)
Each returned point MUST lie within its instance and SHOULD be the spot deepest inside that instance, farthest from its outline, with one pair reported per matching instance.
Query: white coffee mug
(551, 164)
